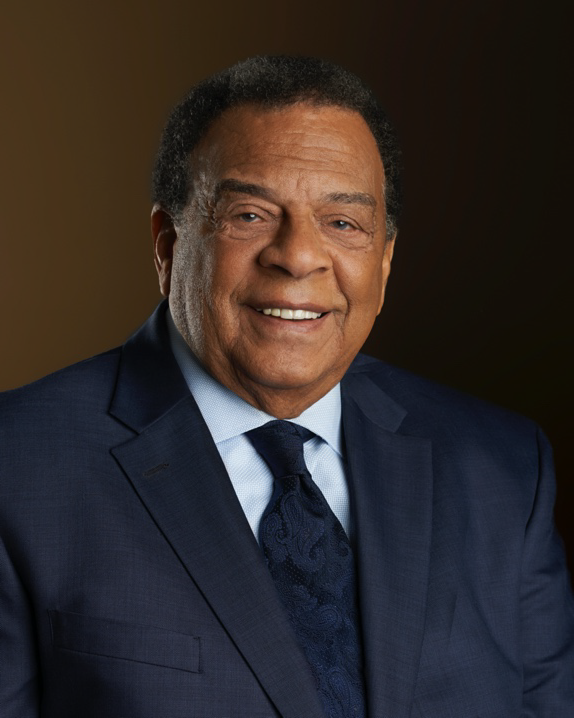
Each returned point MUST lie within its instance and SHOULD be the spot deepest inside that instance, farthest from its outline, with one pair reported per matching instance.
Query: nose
(297, 248)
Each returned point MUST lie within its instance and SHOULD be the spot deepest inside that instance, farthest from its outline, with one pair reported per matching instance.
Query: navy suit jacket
(131, 585)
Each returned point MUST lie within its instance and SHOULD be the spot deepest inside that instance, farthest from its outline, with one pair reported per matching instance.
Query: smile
(294, 314)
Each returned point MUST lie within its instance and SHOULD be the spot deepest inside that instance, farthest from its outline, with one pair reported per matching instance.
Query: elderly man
(236, 514)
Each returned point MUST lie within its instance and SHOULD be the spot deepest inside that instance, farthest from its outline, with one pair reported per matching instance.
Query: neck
(281, 403)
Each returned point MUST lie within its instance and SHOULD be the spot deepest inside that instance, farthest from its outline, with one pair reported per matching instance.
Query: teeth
(290, 313)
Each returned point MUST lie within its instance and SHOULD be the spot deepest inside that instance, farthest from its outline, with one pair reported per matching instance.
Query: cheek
(193, 268)
(231, 270)
(361, 282)
(189, 286)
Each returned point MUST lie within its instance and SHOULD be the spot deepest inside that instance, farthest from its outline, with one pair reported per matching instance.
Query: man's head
(285, 214)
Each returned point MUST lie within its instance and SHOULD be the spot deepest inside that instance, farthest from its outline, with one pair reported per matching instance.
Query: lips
(292, 314)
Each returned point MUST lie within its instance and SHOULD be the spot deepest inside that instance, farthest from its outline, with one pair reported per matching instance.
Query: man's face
(277, 270)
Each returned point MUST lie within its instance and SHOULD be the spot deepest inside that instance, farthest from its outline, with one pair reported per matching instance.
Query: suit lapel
(178, 474)
(391, 478)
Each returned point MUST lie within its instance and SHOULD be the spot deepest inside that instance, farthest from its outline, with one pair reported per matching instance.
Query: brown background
(481, 292)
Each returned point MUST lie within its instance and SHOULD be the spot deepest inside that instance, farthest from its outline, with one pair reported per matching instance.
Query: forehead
(299, 146)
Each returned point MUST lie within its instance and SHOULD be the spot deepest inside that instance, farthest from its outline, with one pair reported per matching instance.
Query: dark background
(481, 292)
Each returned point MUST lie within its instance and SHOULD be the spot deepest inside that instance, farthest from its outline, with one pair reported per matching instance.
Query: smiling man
(236, 513)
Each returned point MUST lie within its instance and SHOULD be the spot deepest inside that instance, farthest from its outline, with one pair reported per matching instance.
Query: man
(155, 562)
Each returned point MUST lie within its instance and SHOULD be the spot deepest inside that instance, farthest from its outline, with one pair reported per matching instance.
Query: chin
(290, 378)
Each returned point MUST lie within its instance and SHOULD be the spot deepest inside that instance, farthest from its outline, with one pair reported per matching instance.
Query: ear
(164, 236)
(388, 251)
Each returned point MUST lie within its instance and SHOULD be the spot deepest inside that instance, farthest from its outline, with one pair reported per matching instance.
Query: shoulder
(86, 374)
(60, 402)
(478, 450)
(440, 412)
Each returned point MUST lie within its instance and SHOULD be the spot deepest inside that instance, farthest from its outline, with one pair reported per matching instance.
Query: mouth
(291, 314)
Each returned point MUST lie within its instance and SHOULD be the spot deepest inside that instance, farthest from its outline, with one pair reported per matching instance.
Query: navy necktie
(311, 561)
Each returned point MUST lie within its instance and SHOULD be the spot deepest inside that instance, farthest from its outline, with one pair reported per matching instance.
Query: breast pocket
(126, 641)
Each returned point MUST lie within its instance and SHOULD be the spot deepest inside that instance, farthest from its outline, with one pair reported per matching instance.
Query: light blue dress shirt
(228, 417)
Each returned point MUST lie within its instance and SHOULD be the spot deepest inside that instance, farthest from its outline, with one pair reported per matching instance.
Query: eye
(248, 217)
(342, 224)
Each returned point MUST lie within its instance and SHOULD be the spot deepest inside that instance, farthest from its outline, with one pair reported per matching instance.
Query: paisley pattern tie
(311, 561)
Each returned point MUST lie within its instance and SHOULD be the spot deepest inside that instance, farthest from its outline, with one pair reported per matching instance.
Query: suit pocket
(127, 641)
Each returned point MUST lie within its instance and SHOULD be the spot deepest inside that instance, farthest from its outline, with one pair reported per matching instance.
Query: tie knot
(280, 443)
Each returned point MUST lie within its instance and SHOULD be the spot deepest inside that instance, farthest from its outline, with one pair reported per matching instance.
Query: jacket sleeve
(19, 689)
(547, 607)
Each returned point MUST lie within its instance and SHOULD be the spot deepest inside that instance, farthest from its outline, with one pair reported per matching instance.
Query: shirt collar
(227, 415)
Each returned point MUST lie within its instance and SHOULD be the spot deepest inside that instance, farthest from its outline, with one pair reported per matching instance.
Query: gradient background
(481, 292)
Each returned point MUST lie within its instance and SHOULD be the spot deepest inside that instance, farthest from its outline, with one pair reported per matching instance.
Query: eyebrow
(233, 185)
(256, 190)
(352, 198)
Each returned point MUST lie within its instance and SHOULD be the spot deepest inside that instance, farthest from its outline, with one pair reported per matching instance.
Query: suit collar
(149, 380)
(391, 479)
(370, 399)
